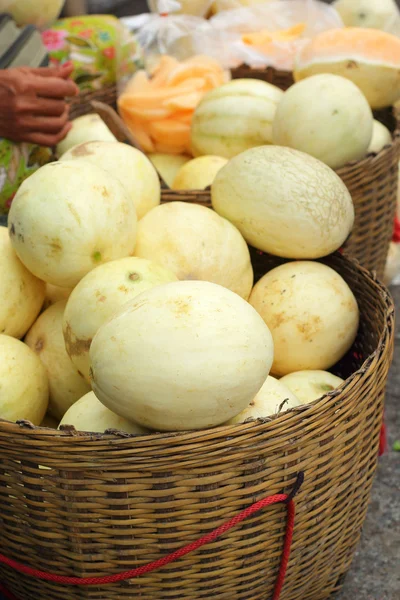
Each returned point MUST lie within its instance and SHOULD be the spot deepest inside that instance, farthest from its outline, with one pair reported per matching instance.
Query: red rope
(396, 231)
(161, 562)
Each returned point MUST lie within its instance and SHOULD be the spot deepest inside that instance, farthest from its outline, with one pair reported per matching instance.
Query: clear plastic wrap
(280, 27)
(172, 35)
(271, 34)
(196, 8)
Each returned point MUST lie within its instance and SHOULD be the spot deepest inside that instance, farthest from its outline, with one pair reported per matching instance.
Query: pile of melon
(119, 312)
(190, 120)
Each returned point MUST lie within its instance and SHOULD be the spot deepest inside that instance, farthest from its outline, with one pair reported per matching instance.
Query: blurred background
(120, 8)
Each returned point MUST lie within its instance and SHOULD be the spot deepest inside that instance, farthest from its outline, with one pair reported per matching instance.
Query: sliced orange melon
(368, 57)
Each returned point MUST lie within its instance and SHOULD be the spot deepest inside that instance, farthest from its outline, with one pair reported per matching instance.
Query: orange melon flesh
(158, 110)
(368, 57)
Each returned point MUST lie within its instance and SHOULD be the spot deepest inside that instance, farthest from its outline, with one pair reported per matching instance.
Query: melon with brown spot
(99, 295)
(373, 14)
(130, 166)
(194, 242)
(184, 355)
(46, 339)
(69, 217)
(311, 312)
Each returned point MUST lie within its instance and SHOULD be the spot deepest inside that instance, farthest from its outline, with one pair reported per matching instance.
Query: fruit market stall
(193, 362)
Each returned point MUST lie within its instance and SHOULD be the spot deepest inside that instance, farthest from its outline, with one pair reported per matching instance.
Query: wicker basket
(82, 104)
(372, 183)
(105, 503)
(282, 79)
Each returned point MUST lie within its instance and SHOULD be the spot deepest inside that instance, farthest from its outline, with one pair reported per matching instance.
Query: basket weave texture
(106, 503)
(373, 185)
(81, 104)
(282, 79)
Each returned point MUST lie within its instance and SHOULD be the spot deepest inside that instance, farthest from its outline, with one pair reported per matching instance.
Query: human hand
(32, 104)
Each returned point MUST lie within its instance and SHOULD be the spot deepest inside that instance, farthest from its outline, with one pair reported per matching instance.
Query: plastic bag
(196, 8)
(173, 35)
(221, 5)
(271, 34)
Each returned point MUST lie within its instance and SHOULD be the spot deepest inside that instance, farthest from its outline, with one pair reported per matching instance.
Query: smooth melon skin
(54, 294)
(68, 218)
(24, 390)
(327, 117)
(273, 398)
(130, 166)
(88, 128)
(234, 117)
(46, 339)
(99, 295)
(194, 242)
(89, 414)
(311, 385)
(284, 202)
(198, 173)
(182, 356)
(21, 293)
(40, 13)
(367, 57)
(375, 14)
(168, 165)
(381, 137)
(311, 312)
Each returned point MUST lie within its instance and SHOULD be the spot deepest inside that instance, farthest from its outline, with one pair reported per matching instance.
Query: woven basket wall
(282, 79)
(108, 503)
(373, 185)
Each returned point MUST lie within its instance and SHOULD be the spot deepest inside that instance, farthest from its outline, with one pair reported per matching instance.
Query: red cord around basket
(161, 562)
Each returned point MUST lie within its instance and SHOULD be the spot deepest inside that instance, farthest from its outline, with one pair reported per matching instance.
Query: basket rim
(365, 162)
(69, 433)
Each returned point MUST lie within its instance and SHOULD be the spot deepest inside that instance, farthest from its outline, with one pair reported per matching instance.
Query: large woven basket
(104, 503)
(373, 185)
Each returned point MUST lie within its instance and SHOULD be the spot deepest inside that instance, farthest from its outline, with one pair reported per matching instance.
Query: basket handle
(287, 499)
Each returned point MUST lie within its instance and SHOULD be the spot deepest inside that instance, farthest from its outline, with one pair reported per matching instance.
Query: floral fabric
(102, 51)
(17, 162)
